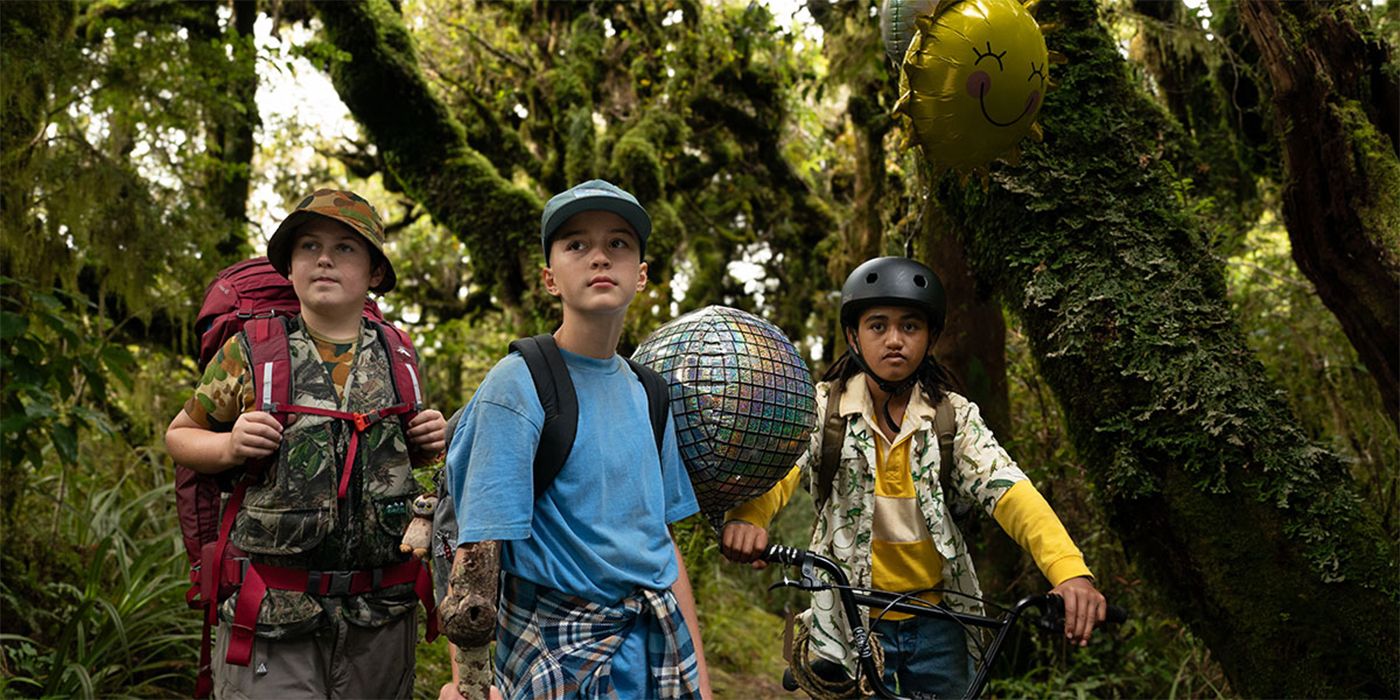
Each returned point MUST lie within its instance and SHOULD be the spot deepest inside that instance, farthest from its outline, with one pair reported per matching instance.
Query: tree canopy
(1179, 310)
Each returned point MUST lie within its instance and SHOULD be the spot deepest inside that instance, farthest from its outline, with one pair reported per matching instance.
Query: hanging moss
(1208, 479)
(637, 156)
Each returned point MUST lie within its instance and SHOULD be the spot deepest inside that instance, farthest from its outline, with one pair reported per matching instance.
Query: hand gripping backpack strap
(833, 434)
(658, 400)
(556, 391)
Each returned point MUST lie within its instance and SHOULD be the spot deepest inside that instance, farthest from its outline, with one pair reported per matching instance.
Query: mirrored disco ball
(741, 397)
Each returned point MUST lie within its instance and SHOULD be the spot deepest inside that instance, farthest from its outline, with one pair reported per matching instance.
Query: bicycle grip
(782, 554)
(1113, 614)
(1116, 615)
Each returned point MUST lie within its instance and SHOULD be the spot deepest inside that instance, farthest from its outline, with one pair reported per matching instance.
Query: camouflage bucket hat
(337, 205)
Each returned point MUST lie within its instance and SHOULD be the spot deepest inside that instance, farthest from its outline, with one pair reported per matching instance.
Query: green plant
(103, 612)
(55, 371)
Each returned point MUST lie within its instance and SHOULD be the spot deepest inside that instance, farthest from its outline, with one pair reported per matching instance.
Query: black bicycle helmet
(893, 282)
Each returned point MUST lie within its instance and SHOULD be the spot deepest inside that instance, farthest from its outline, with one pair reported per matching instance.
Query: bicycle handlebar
(1050, 605)
(792, 556)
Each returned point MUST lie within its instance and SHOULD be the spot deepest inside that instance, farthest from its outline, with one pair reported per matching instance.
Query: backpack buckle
(329, 583)
(364, 420)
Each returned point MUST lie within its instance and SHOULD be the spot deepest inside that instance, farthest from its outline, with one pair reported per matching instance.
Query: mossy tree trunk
(425, 148)
(1337, 107)
(232, 125)
(1254, 533)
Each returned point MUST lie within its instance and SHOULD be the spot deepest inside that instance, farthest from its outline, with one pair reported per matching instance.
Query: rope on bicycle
(820, 688)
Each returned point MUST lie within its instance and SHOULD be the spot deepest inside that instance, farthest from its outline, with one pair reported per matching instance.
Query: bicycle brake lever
(809, 574)
(807, 582)
(800, 584)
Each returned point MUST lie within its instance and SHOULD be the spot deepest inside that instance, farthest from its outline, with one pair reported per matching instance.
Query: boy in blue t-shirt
(595, 598)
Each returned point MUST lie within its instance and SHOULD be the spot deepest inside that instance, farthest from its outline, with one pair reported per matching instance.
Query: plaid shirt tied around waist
(554, 645)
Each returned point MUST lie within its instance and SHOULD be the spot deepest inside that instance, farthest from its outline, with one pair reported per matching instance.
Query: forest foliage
(139, 157)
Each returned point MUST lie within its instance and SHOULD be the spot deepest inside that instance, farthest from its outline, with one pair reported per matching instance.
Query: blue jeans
(925, 657)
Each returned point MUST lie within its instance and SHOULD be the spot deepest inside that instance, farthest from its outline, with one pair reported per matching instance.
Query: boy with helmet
(326, 605)
(884, 514)
(595, 599)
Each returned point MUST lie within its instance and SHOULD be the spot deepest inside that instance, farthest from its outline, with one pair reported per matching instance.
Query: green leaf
(63, 326)
(65, 440)
(118, 361)
(14, 423)
(12, 325)
(94, 419)
(38, 408)
(48, 302)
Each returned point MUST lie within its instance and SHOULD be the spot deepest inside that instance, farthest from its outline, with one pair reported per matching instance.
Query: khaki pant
(337, 661)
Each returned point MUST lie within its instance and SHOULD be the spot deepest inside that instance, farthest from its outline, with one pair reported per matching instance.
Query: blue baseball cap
(594, 195)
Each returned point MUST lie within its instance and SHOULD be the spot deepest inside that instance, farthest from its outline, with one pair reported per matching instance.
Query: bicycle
(1051, 616)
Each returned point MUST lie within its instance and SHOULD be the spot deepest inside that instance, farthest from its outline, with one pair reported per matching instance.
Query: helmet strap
(891, 389)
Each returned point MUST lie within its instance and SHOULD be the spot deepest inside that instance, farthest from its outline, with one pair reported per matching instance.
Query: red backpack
(253, 298)
(239, 293)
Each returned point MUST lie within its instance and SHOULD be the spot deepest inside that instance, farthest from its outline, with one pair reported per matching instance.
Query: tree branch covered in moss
(425, 147)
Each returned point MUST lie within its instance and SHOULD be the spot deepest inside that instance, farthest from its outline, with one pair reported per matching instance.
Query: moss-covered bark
(1336, 99)
(232, 121)
(1213, 488)
(424, 146)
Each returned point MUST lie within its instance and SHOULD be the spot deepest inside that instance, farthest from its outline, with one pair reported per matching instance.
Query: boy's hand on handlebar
(743, 543)
(1085, 608)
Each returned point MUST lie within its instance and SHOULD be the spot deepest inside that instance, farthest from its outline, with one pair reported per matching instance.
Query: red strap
(423, 586)
(211, 575)
(245, 617)
(403, 365)
(270, 360)
(361, 422)
(262, 577)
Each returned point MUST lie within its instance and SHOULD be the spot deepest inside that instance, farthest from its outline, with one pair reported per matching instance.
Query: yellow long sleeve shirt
(903, 557)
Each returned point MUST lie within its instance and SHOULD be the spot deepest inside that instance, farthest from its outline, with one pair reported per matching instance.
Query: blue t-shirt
(599, 531)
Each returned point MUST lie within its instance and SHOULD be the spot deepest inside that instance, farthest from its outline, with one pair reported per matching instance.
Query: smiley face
(979, 84)
(973, 80)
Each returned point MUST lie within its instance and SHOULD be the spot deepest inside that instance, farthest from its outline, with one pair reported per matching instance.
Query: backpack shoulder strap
(270, 362)
(833, 433)
(560, 402)
(403, 366)
(945, 425)
(658, 399)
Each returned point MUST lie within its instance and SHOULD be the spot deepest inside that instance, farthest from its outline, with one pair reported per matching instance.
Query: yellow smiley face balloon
(972, 82)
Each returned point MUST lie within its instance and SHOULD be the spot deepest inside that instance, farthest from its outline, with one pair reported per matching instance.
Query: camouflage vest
(293, 518)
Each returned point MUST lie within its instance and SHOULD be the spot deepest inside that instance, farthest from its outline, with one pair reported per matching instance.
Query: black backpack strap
(833, 434)
(658, 399)
(556, 392)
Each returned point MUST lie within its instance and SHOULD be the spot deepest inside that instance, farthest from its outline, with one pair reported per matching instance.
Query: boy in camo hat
(350, 629)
